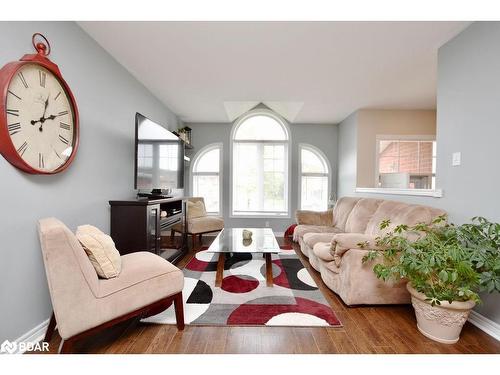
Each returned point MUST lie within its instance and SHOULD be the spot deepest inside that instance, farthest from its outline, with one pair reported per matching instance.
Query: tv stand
(137, 225)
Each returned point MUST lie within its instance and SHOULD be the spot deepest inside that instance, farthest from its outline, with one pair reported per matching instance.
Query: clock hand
(42, 119)
(46, 105)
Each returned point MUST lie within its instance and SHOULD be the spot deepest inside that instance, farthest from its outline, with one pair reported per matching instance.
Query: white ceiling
(330, 69)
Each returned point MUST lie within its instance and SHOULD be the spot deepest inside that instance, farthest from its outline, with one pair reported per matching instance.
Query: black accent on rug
(202, 293)
(292, 266)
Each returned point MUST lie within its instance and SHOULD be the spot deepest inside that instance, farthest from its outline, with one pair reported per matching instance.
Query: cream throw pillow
(101, 251)
(196, 209)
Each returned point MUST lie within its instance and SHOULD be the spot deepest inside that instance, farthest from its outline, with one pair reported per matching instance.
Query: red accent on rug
(260, 314)
(281, 279)
(235, 284)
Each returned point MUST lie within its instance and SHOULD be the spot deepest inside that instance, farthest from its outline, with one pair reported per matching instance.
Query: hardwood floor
(367, 329)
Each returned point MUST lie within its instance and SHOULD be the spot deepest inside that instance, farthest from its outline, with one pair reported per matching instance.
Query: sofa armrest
(305, 217)
(343, 242)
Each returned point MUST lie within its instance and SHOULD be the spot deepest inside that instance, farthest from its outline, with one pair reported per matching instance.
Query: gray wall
(468, 118)
(347, 157)
(321, 136)
(108, 97)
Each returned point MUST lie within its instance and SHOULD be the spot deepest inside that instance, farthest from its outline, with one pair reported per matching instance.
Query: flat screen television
(159, 157)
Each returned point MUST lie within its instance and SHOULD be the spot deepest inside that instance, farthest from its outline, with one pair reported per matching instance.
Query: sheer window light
(314, 179)
(260, 166)
(206, 177)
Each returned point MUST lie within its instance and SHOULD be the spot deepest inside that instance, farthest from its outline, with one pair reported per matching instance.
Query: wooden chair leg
(179, 311)
(193, 236)
(51, 328)
(66, 346)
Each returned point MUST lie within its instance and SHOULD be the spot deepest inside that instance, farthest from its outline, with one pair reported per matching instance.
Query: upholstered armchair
(83, 303)
(198, 222)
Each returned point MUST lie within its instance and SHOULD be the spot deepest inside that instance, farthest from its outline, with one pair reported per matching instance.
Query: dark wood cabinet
(138, 224)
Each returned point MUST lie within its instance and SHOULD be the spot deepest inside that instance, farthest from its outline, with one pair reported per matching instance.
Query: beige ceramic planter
(442, 323)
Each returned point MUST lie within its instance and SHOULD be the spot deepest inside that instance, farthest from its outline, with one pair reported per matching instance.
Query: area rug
(244, 299)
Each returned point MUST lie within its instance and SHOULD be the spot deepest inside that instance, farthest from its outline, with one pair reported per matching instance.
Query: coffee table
(230, 241)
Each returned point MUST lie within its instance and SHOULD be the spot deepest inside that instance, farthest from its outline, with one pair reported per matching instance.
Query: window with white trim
(206, 177)
(260, 165)
(406, 162)
(314, 174)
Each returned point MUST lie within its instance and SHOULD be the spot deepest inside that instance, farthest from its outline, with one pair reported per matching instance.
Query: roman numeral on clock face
(59, 93)
(11, 93)
(41, 163)
(13, 112)
(62, 113)
(64, 126)
(23, 80)
(63, 140)
(22, 148)
(42, 76)
(14, 128)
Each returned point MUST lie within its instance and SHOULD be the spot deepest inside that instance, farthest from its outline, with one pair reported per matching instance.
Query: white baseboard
(485, 324)
(34, 335)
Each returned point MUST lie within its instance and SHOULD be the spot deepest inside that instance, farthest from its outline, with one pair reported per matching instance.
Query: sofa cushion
(342, 210)
(101, 251)
(141, 267)
(361, 214)
(312, 239)
(196, 209)
(307, 217)
(323, 250)
(205, 224)
(343, 242)
(301, 230)
(400, 213)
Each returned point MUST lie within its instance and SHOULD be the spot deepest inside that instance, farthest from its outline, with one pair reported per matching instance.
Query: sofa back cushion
(196, 209)
(342, 210)
(400, 213)
(361, 214)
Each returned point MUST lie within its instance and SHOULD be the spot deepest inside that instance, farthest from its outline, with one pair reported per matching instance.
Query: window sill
(435, 193)
(259, 216)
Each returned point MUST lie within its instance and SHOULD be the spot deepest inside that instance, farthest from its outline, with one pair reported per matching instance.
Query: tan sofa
(330, 240)
(83, 303)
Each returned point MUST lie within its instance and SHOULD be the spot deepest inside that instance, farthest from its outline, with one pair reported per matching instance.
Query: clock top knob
(42, 47)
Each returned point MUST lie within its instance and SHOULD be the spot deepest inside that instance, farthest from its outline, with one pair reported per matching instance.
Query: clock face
(40, 118)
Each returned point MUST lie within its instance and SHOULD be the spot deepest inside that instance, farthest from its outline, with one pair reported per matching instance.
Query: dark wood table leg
(269, 269)
(220, 270)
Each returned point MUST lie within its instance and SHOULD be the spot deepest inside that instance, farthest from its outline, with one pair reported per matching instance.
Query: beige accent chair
(198, 226)
(84, 304)
(330, 240)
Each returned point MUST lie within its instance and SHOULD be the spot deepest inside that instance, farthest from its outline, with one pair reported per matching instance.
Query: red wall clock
(39, 130)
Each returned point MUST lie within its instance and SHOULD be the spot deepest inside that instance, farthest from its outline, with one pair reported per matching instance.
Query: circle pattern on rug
(304, 276)
(276, 270)
(289, 277)
(205, 256)
(296, 319)
(239, 284)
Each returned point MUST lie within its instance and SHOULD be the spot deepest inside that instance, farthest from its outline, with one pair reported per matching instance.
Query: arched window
(206, 177)
(260, 165)
(314, 177)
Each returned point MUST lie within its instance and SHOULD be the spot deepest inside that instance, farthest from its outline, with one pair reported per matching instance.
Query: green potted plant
(446, 267)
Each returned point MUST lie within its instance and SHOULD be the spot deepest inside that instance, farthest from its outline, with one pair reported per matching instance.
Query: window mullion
(260, 173)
